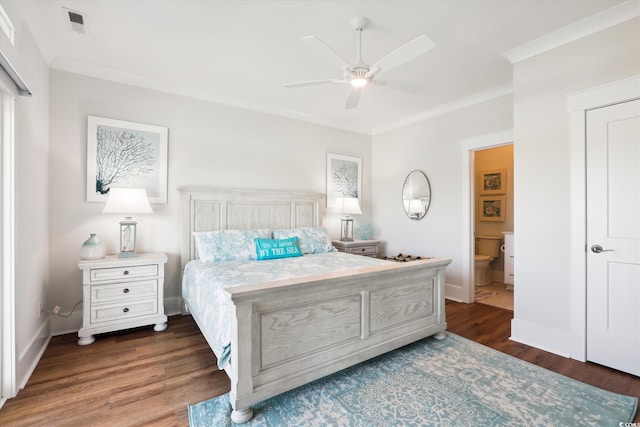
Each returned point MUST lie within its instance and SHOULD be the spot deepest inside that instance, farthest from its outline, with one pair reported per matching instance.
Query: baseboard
(553, 340)
(454, 292)
(172, 306)
(66, 325)
(29, 359)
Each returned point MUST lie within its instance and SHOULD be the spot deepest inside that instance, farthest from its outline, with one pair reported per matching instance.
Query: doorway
(493, 225)
(469, 147)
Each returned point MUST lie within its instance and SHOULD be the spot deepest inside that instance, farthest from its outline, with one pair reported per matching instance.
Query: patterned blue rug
(454, 382)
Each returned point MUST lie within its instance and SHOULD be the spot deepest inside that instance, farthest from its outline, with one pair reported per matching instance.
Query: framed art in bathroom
(492, 208)
(493, 181)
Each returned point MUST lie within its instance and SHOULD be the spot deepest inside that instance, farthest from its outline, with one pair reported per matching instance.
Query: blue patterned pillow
(277, 248)
(228, 245)
(313, 240)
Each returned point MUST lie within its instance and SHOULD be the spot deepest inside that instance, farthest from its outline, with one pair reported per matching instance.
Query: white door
(613, 236)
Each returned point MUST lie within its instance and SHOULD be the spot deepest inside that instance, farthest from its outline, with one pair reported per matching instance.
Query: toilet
(487, 249)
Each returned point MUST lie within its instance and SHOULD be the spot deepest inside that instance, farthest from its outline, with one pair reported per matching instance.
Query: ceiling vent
(77, 20)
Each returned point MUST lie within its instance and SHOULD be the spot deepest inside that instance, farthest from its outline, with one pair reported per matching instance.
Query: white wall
(32, 197)
(209, 145)
(542, 181)
(432, 146)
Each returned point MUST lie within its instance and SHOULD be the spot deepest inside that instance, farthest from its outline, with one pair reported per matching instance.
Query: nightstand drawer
(124, 291)
(363, 250)
(123, 311)
(104, 274)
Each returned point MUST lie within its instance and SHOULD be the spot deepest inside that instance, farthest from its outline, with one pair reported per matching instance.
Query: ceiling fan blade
(372, 72)
(353, 98)
(313, 83)
(325, 50)
(405, 53)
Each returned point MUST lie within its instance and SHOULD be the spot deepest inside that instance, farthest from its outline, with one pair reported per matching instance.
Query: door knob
(597, 249)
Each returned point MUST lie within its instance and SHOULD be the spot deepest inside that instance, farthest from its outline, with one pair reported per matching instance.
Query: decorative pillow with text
(277, 248)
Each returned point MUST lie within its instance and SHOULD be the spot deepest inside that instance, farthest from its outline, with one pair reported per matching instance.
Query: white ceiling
(242, 52)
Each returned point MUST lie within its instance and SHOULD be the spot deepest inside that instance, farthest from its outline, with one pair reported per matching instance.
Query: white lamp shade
(127, 201)
(349, 205)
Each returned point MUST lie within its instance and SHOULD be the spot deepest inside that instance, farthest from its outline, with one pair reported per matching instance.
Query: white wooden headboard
(207, 209)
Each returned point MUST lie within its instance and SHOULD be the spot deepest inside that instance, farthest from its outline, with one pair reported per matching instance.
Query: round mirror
(416, 195)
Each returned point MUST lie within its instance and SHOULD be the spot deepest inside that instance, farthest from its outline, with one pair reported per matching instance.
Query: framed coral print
(126, 154)
(492, 208)
(344, 177)
(493, 181)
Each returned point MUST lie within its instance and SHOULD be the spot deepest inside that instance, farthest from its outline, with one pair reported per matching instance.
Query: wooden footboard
(291, 332)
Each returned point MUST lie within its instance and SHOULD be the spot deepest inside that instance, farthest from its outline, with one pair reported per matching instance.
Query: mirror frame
(406, 201)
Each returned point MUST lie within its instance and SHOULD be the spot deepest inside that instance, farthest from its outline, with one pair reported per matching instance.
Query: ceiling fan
(360, 74)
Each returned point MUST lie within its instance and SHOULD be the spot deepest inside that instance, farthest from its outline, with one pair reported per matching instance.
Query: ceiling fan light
(359, 82)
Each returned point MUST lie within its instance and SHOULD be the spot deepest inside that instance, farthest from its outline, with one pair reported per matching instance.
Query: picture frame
(493, 181)
(344, 177)
(126, 154)
(492, 208)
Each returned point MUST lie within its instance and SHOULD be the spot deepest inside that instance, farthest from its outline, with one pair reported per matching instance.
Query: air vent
(76, 19)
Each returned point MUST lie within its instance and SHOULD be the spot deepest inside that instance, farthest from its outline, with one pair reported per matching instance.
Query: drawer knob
(125, 290)
(125, 310)
(126, 272)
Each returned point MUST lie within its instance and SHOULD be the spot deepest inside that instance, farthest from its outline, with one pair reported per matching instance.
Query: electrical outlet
(41, 309)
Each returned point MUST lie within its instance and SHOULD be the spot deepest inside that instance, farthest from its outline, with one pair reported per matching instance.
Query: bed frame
(288, 333)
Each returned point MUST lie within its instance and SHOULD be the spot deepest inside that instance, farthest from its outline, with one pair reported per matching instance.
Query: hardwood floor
(143, 378)
(129, 378)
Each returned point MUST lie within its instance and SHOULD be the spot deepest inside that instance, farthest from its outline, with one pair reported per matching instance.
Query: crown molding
(593, 24)
(458, 104)
(117, 76)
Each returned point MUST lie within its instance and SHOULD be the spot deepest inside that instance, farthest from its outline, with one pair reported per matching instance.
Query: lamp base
(130, 254)
(346, 229)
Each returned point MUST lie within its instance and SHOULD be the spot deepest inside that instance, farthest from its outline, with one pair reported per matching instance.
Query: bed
(289, 330)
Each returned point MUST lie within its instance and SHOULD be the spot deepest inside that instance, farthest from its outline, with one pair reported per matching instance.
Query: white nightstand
(122, 293)
(358, 247)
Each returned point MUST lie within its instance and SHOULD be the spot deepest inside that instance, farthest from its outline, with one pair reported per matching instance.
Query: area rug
(454, 382)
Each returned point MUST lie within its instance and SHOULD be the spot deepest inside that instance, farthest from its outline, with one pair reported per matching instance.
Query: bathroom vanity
(508, 260)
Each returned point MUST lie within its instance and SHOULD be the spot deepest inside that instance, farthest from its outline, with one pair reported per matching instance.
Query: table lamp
(127, 201)
(348, 206)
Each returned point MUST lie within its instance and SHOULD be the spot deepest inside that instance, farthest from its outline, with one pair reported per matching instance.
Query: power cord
(56, 310)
